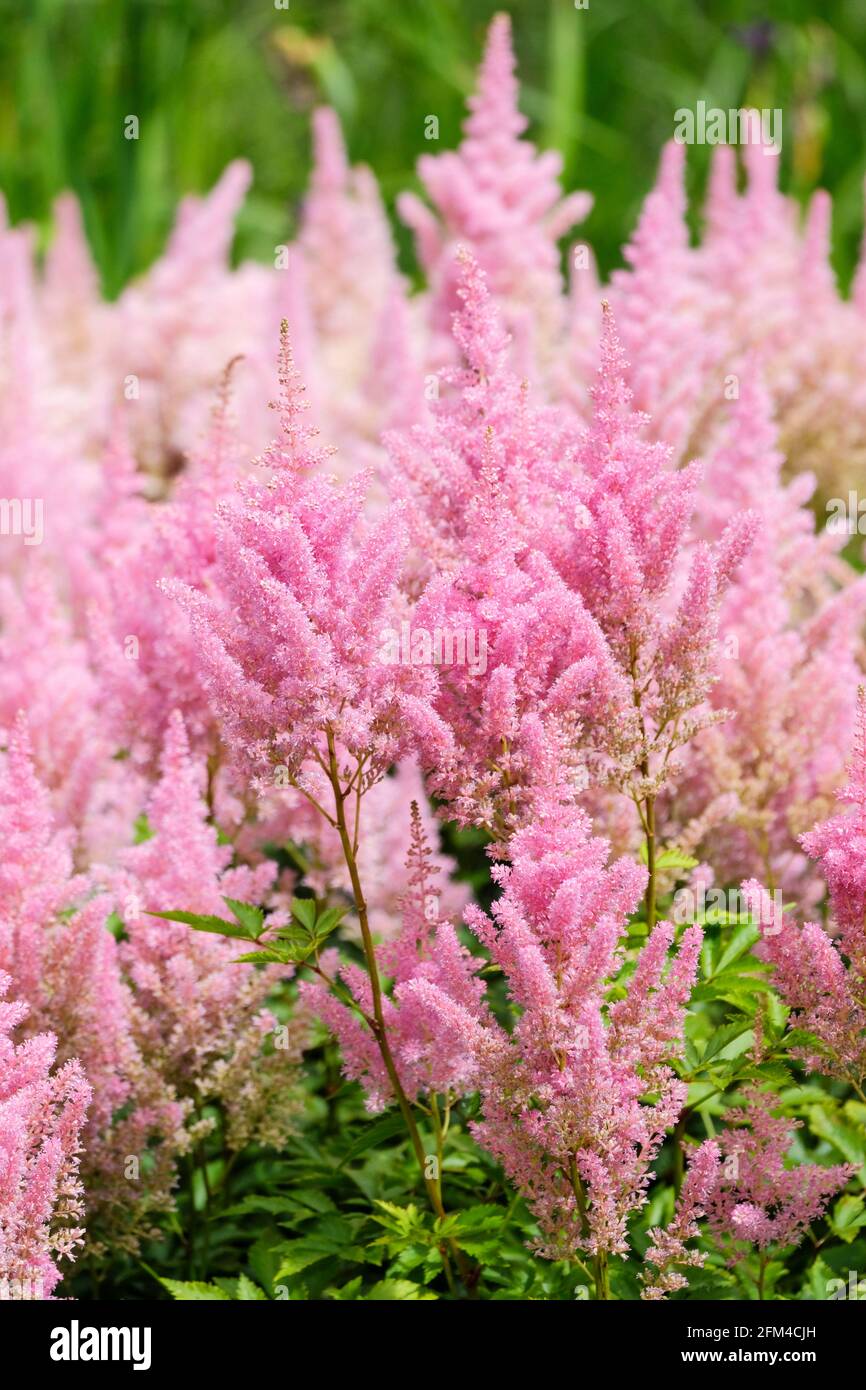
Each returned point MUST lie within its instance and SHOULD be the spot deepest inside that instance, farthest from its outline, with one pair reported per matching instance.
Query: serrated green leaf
(218, 925)
(271, 956)
(194, 1292)
(742, 940)
(304, 911)
(375, 1134)
(248, 1292)
(722, 1038)
(329, 920)
(251, 918)
(398, 1290)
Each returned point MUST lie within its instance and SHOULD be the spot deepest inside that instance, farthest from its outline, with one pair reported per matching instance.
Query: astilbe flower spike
(668, 1252)
(42, 1116)
(822, 979)
(787, 669)
(290, 637)
(759, 1204)
(64, 965)
(565, 1097)
(436, 1009)
(202, 1021)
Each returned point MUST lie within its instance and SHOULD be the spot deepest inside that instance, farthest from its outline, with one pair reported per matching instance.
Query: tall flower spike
(436, 1011)
(42, 1115)
(500, 198)
(564, 1101)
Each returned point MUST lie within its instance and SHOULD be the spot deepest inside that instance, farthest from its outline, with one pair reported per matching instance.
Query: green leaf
(272, 956)
(248, 1292)
(675, 859)
(218, 925)
(398, 1290)
(849, 1142)
(329, 920)
(251, 918)
(741, 941)
(722, 1038)
(194, 1292)
(304, 911)
(374, 1134)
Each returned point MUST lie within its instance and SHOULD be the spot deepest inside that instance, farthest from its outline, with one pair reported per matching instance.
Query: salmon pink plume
(344, 226)
(435, 1011)
(487, 417)
(299, 596)
(822, 980)
(655, 594)
(666, 312)
(827, 998)
(502, 199)
(565, 1097)
(759, 1205)
(668, 1253)
(787, 667)
(202, 1021)
(178, 326)
(64, 964)
(839, 846)
(42, 1116)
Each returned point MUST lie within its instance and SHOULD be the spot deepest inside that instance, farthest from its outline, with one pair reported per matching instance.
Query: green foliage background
(214, 79)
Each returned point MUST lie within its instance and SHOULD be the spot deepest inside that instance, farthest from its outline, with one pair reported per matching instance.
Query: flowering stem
(650, 813)
(602, 1279)
(377, 1022)
(599, 1264)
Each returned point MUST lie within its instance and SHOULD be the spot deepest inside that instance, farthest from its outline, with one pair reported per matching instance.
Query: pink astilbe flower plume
(839, 846)
(202, 1020)
(300, 591)
(65, 966)
(668, 1253)
(564, 1097)
(664, 309)
(758, 1201)
(42, 1115)
(787, 670)
(827, 999)
(502, 199)
(435, 1012)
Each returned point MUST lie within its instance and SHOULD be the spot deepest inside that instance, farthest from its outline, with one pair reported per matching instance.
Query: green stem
(650, 813)
(602, 1278)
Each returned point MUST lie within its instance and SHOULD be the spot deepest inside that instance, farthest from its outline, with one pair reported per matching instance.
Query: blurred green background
(213, 79)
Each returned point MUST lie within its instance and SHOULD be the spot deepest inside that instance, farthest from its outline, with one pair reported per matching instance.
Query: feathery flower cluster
(436, 1012)
(516, 596)
(822, 979)
(757, 1199)
(565, 1098)
(42, 1115)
